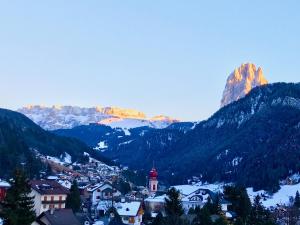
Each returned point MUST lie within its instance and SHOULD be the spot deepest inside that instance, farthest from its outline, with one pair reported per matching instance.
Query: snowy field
(282, 197)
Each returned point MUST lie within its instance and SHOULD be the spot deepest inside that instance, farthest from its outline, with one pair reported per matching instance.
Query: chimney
(52, 211)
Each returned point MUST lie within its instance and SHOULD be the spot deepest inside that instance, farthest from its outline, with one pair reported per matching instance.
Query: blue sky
(161, 57)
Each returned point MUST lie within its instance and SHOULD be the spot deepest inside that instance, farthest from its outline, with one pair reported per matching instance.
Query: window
(59, 206)
(60, 198)
(98, 197)
(45, 198)
(154, 187)
(52, 198)
(44, 206)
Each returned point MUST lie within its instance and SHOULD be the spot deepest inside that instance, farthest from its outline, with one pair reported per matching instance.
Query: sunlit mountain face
(241, 81)
(66, 117)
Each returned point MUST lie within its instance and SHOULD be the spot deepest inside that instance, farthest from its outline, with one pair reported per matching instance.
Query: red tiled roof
(48, 187)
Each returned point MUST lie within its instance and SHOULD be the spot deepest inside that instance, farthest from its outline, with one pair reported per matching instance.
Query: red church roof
(153, 173)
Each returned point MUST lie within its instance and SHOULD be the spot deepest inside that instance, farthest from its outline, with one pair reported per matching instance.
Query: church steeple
(153, 182)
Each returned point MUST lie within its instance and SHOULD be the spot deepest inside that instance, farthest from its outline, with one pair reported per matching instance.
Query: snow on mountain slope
(241, 81)
(66, 117)
(282, 197)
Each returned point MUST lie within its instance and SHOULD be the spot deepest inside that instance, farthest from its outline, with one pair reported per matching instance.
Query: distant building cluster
(98, 193)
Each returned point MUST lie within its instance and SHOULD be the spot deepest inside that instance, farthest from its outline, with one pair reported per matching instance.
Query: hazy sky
(161, 57)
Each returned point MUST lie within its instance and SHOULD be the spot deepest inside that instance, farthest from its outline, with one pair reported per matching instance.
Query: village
(99, 194)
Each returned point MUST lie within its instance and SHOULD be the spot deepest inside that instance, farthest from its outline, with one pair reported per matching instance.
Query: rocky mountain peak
(66, 117)
(241, 81)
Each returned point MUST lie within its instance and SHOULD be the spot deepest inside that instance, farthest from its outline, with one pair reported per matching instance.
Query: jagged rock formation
(241, 81)
(66, 117)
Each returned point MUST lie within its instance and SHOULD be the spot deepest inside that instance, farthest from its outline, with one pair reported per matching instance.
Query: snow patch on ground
(64, 159)
(282, 197)
(53, 159)
(68, 158)
(126, 142)
(236, 161)
(101, 146)
(127, 132)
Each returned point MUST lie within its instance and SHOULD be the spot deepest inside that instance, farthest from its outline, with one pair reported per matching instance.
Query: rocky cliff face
(241, 81)
(66, 117)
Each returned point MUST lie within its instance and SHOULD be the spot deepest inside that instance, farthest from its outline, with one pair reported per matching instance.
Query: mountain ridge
(21, 138)
(66, 117)
(254, 141)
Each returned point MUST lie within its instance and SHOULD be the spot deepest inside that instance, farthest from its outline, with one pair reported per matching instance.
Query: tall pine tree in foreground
(18, 204)
(203, 217)
(241, 203)
(173, 208)
(259, 215)
(73, 199)
(173, 203)
(297, 200)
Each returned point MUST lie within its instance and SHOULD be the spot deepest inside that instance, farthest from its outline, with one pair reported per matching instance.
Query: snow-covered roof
(52, 178)
(4, 184)
(186, 189)
(128, 208)
(228, 215)
(160, 199)
(102, 187)
(104, 205)
(218, 187)
(65, 183)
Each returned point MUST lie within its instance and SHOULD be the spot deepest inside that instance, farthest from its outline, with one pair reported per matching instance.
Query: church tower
(153, 182)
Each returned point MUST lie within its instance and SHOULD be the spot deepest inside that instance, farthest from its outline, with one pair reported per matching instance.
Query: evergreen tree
(297, 200)
(173, 208)
(203, 217)
(239, 198)
(147, 219)
(73, 199)
(221, 221)
(216, 206)
(259, 215)
(239, 221)
(48, 170)
(173, 203)
(191, 211)
(115, 217)
(197, 209)
(159, 219)
(18, 204)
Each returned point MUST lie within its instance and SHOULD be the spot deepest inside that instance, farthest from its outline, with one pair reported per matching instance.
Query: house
(143, 190)
(102, 191)
(130, 212)
(66, 183)
(83, 189)
(224, 207)
(103, 207)
(193, 196)
(48, 194)
(3, 189)
(57, 217)
(186, 189)
(196, 199)
(155, 204)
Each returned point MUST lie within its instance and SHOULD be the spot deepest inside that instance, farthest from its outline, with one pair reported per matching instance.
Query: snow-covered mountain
(241, 81)
(66, 117)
